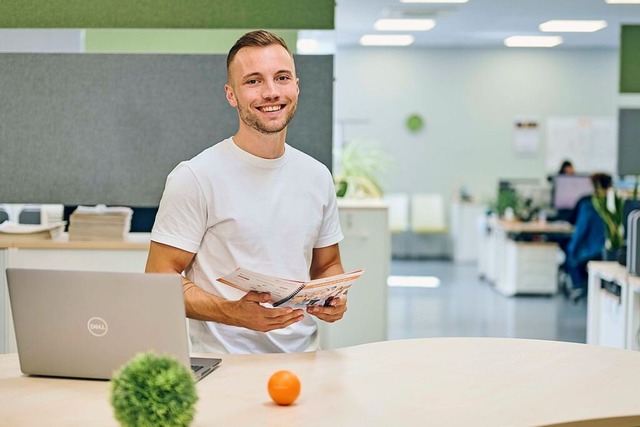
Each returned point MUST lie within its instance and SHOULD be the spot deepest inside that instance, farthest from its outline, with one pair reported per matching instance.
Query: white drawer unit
(366, 244)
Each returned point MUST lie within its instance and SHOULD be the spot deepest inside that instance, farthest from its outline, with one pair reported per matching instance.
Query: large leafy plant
(609, 207)
(360, 165)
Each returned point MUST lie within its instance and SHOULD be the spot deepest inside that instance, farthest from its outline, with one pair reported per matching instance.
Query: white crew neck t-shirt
(233, 209)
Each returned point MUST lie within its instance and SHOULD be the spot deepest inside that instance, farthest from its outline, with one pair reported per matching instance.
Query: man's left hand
(331, 313)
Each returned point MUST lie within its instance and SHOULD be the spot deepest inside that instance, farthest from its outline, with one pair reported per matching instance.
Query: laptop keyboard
(197, 368)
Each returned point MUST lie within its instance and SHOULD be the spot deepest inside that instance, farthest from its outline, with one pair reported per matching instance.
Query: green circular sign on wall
(415, 122)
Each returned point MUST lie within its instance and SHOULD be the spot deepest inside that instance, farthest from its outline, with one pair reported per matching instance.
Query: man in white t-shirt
(251, 201)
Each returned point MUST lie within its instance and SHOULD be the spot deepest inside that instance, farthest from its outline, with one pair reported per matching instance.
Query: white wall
(469, 99)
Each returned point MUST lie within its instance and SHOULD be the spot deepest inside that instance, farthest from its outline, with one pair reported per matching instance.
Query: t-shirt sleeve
(181, 220)
(330, 230)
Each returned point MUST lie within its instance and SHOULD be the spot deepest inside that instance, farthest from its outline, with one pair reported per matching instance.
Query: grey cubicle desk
(439, 382)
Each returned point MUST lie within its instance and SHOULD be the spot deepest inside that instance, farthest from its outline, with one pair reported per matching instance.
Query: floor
(464, 305)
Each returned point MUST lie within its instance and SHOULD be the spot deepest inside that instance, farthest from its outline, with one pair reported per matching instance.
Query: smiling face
(264, 88)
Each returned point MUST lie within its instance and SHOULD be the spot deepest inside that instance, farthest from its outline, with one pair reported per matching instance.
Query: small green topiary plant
(152, 390)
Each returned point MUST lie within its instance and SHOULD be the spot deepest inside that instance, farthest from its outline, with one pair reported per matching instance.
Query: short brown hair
(258, 38)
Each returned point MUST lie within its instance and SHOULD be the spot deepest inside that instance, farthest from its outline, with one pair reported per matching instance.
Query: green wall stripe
(630, 59)
(292, 14)
(170, 41)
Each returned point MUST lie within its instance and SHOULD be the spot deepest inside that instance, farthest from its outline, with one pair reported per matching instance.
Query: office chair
(428, 213)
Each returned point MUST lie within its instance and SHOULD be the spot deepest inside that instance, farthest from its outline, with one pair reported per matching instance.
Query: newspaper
(293, 292)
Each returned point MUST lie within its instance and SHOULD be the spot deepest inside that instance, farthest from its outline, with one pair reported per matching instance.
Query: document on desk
(11, 231)
(293, 292)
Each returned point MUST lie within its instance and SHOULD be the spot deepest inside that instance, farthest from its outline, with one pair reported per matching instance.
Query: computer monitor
(568, 189)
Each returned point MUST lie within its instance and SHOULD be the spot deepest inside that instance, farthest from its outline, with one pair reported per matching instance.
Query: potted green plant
(360, 164)
(609, 207)
(153, 391)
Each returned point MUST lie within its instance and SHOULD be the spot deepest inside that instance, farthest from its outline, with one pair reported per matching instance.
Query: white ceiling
(480, 23)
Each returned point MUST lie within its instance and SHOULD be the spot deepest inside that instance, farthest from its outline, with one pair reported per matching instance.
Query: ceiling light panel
(532, 41)
(404, 24)
(619, 1)
(386, 40)
(567, 26)
(433, 1)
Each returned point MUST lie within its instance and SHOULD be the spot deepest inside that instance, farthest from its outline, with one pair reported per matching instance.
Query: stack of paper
(99, 223)
(13, 232)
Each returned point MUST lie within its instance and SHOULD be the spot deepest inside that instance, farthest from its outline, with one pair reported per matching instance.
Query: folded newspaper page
(292, 292)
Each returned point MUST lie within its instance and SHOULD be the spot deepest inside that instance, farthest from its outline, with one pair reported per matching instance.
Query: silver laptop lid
(87, 324)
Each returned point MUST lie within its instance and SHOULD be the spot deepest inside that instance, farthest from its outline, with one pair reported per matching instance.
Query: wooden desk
(438, 381)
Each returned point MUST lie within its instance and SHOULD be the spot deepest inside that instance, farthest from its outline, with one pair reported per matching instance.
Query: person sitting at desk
(588, 237)
(566, 168)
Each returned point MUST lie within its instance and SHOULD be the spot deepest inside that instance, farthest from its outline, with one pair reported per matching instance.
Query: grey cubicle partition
(629, 141)
(108, 128)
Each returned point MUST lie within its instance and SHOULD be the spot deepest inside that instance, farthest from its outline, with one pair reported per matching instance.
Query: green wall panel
(170, 41)
(630, 59)
(296, 14)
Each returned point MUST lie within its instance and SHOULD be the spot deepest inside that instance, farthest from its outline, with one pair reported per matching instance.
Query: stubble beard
(251, 119)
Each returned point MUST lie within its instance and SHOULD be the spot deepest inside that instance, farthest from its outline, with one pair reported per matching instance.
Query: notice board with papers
(590, 143)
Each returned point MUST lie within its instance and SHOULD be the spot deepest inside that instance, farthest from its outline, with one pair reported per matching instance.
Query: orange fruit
(284, 387)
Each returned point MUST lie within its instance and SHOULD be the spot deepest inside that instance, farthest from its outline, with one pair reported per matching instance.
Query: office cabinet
(517, 259)
(607, 309)
(366, 244)
(529, 268)
(633, 313)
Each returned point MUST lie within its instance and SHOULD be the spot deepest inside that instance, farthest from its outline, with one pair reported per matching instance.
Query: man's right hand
(248, 313)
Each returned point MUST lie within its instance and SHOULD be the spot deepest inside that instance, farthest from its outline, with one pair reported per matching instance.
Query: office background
(469, 99)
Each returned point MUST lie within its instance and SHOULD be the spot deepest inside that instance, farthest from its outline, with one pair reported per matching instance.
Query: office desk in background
(522, 257)
(438, 381)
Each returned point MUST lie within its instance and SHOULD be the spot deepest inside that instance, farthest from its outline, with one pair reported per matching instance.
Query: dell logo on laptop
(97, 326)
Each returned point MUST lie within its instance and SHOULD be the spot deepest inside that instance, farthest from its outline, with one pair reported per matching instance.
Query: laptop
(87, 324)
